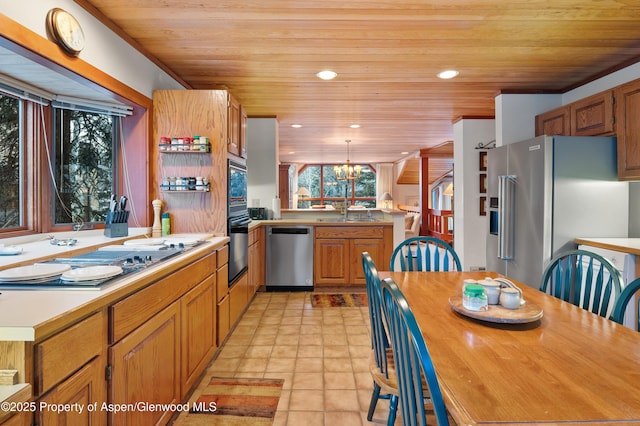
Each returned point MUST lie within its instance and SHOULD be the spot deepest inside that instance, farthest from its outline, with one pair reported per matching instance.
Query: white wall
(515, 115)
(470, 229)
(262, 161)
(104, 49)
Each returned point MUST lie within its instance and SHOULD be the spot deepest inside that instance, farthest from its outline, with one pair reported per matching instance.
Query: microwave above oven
(237, 186)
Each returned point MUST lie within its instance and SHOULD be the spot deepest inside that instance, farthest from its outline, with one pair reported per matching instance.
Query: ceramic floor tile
(341, 418)
(308, 381)
(309, 365)
(252, 365)
(311, 339)
(306, 400)
(258, 351)
(341, 400)
(338, 365)
(309, 351)
(321, 353)
(340, 351)
(284, 351)
(284, 365)
(339, 381)
(306, 418)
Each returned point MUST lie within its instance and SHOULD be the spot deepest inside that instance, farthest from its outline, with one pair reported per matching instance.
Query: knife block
(116, 229)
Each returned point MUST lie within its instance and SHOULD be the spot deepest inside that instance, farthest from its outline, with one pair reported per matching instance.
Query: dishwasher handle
(290, 231)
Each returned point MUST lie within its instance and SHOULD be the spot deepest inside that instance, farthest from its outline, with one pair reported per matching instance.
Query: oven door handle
(240, 222)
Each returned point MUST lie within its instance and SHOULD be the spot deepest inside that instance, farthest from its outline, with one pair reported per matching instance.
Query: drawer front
(223, 255)
(131, 312)
(252, 237)
(222, 282)
(64, 353)
(349, 232)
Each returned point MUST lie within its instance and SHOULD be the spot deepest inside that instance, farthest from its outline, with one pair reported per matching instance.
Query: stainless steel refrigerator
(543, 193)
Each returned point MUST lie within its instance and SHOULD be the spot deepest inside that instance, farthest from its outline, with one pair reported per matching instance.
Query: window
(324, 188)
(84, 144)
(11, 164)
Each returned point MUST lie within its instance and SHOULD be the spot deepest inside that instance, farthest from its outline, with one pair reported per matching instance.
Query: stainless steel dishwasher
(289, 255)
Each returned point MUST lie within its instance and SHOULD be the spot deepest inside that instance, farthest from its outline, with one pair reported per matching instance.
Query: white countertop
(625, 245)
(22, 311)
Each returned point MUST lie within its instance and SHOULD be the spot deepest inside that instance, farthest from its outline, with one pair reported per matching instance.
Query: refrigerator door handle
(506, 214)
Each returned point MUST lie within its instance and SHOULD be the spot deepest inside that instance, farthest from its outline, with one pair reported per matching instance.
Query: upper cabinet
(628, 130)
(554, 122)
(593, 116)
(237, 126)
(243, 132)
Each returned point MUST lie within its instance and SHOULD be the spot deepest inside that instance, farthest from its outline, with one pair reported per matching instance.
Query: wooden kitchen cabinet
(146, 368)
(243, 132)
(238, 298)
(256, 260)
(554, 122)
(628, 130)
(594, 115)
(222, 324)
(85, 387)
(70, 368)
(233, 126)
(163, 337)
(198, 331)
(338, 252)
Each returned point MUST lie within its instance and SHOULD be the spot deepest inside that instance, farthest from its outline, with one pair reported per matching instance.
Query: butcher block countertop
(625, 245)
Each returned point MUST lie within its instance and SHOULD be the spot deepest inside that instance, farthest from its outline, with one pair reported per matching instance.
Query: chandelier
(347, 171)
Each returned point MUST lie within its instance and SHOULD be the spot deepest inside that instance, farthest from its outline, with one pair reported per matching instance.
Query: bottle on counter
(166, 224)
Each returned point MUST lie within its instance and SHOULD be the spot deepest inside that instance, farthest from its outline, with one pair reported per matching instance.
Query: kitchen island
(150, 333)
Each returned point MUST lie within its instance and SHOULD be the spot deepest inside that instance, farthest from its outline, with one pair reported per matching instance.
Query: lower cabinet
(238, 298)
(338, 252)
(162, 339)
(146, 368)
(256, 260)
(198, 332)
(86, 387)
(223, 319)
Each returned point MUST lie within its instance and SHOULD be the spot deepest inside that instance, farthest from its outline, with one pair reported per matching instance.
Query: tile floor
(322, 353)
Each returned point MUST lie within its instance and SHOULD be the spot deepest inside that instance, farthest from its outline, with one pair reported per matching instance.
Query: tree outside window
(84, 169)
(11, 213)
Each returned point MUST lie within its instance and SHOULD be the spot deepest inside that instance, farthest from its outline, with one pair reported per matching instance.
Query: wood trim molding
(25, 42)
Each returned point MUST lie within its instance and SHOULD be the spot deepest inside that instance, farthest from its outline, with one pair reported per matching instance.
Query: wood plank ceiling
(386, 53)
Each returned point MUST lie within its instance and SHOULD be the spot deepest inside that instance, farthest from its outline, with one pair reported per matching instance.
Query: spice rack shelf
(194, 148)
(185, 188)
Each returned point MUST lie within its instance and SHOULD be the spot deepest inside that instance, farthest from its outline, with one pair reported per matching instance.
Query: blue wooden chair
(381, 363)
(425, 254)
(413, 362)
(584, 279)
(622, 303)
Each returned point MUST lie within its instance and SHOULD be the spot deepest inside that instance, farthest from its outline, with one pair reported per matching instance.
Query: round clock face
(66, 30)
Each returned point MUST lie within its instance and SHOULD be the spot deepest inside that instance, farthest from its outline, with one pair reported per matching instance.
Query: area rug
(339, 300)
(236, 402)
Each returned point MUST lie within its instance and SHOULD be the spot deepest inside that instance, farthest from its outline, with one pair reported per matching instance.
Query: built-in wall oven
(237, 220)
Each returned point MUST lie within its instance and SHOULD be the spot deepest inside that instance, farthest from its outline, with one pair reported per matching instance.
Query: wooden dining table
(570, 366)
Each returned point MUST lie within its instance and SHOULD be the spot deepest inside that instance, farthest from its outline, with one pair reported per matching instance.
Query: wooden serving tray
(528, 312)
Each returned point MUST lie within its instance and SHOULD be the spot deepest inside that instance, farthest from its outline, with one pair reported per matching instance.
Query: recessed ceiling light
(327, 75)
(296, 126)
(404, 152)
(355, 126)
(448, 74)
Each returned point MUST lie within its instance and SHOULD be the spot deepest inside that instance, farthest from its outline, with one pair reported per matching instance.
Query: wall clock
(66, 31)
